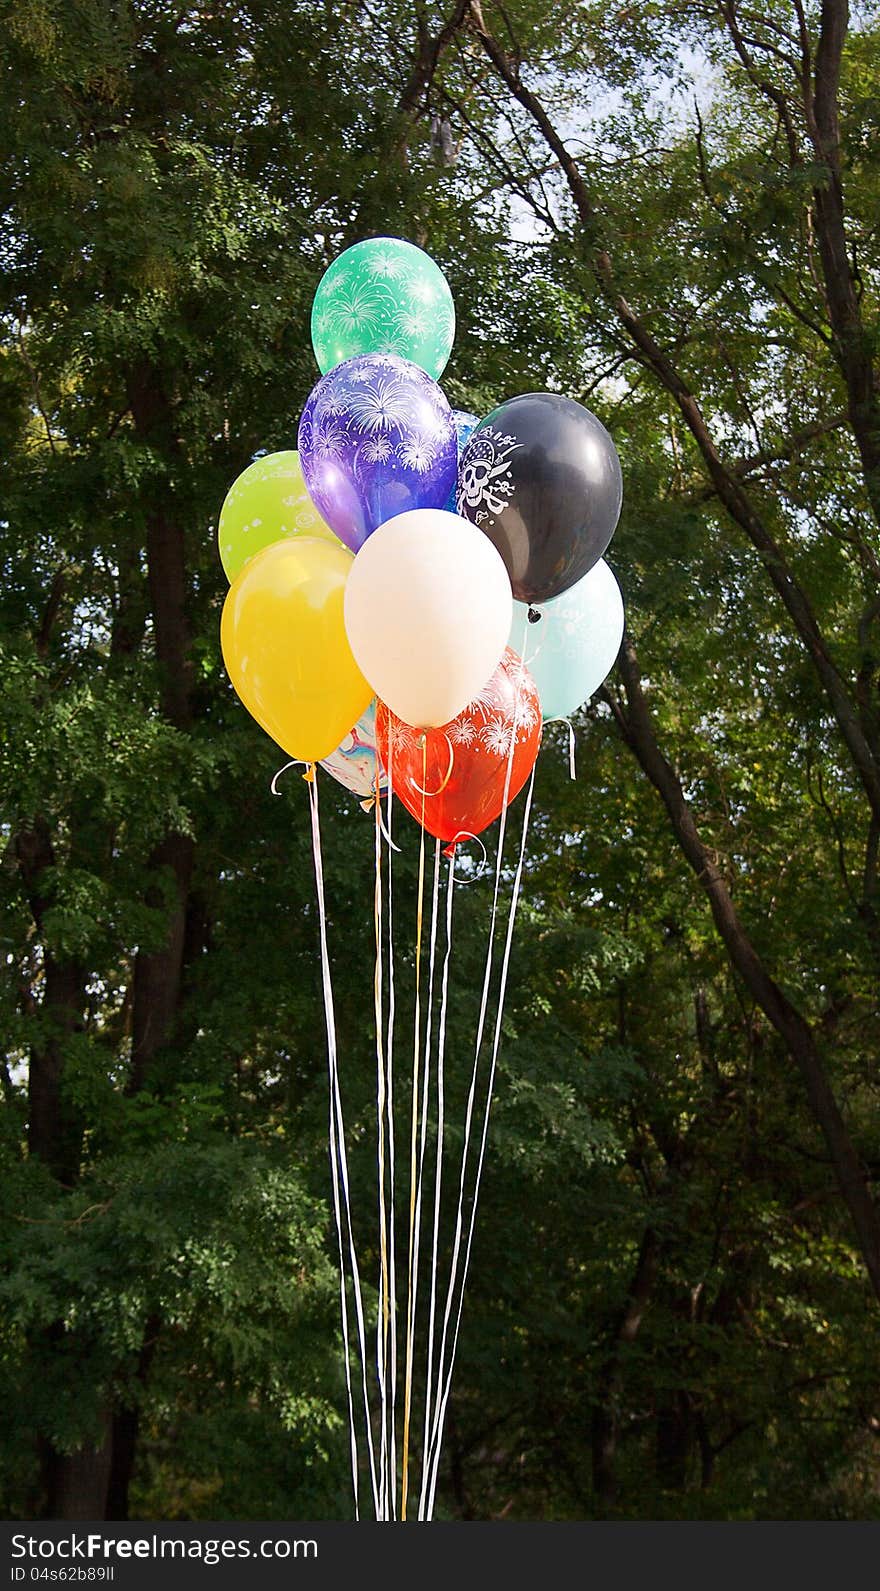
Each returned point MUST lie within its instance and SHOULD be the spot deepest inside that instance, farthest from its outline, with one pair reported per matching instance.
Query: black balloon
(540, 475)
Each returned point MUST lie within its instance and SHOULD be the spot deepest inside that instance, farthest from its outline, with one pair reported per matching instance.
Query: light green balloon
(266, 503)
(383, 296)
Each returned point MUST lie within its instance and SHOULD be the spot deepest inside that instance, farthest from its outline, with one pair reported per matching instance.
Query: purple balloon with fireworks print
(376, 439)
(464, 424)
(355, 764)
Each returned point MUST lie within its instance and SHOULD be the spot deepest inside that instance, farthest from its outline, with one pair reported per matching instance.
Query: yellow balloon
(286, 650)
(267, 501)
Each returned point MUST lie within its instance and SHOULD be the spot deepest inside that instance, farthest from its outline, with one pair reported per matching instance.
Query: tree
(666, 1308)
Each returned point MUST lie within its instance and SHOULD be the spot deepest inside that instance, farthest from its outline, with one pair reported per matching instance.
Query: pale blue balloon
(573, 647)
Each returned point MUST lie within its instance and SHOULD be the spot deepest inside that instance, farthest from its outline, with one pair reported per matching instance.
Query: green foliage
(174, 181)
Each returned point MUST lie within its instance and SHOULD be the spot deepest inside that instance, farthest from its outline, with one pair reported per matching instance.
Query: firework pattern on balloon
(460, 777)
(384, 294)
(507, 703)
(376, 438)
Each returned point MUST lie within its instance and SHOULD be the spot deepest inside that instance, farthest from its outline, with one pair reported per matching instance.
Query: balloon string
(572, 773)
(386, 833)
(529, 630)
(438, 1182)
(414, 1125)
(339, 1166)
(469, 1109)
(295, 762)
(419, 789)
(426, 1073)
(382, 1321)
(502, 990)
(466, 834)
(389, 1100)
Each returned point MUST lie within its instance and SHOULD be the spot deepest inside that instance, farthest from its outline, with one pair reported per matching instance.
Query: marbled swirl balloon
(354, 763)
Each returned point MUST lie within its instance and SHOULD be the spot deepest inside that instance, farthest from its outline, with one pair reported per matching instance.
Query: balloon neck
(534, 615)
(367, 806)
(309, 774)
(450, 851)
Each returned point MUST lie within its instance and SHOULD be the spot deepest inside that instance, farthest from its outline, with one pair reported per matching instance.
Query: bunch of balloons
(384, 574)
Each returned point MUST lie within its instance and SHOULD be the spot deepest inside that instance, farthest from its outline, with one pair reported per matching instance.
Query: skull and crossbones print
(485, 482)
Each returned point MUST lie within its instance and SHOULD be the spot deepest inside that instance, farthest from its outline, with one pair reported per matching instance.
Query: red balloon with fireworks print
(462, 767)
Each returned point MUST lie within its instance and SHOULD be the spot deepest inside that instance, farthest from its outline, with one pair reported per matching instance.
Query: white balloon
(428, 606)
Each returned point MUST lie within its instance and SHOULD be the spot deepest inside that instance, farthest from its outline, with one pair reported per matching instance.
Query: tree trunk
(637, 728)
(853, 343)
(124, 1436)
(54, 1133)
(674, 1439)
(75, 1484)
(93, 1482)
(158, 973)
(605, 1411)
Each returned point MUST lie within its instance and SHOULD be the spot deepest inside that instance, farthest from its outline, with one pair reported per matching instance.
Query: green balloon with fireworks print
(383, 296)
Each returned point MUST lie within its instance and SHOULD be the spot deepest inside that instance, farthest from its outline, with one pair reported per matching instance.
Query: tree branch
(728, 488)
(638, 731)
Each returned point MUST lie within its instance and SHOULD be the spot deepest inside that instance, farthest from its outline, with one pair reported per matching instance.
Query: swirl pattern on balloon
(383, 296)
(376, 439)
(355, 763)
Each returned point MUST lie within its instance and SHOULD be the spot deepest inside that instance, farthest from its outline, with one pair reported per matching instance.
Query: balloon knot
(450, 850)
(309, 774)
(534, 616)
(367, 806)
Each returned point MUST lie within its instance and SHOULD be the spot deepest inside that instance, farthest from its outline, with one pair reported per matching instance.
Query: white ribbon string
(446, 777)
(338, 1155)
(382, 1321)
(295, 762)
(438, 1181)
(389, 1105)
(413, 1166)
(426, 1084)
(442, 1339)
(385, 833)
(465, 834)
(571, 767)
(496, 1041)
(469, 1109)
